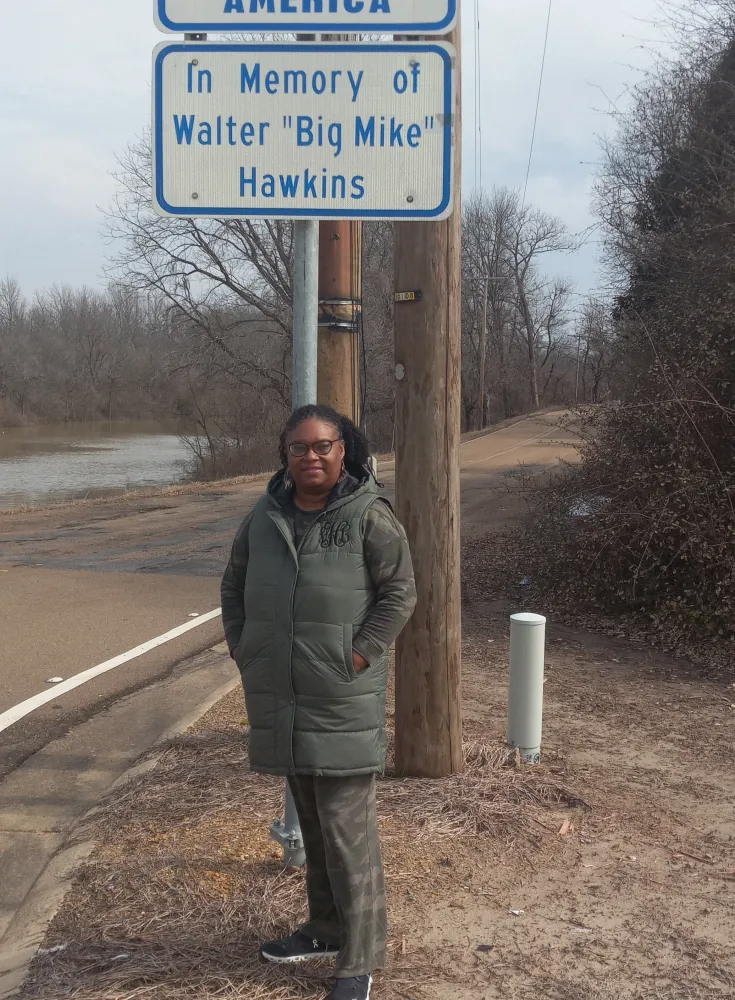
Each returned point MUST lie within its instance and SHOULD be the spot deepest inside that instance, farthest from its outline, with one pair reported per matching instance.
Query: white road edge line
(9, 718)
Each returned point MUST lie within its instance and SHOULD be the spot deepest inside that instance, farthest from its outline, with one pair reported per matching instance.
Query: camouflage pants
(344, 869)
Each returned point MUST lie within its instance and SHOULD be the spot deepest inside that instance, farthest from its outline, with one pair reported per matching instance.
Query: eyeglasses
(321, 448)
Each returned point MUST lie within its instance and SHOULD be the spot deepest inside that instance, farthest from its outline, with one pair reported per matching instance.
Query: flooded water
(42, 465)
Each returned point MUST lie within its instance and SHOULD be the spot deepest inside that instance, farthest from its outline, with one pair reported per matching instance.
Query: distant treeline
(196, 326)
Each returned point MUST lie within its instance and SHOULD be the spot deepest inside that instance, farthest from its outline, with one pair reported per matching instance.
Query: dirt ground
(638, 899)
(606, 873)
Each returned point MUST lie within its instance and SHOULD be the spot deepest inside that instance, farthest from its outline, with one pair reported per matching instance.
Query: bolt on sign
(298, 130)
(412, 17)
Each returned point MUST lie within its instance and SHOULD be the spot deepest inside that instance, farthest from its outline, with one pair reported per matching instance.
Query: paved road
(81, 584)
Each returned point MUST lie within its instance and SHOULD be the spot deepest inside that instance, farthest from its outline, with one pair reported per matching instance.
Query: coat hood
(348, 486)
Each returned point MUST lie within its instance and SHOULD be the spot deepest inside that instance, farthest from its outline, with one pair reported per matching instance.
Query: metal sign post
(287, 832)
(396, 17)
(305, 312)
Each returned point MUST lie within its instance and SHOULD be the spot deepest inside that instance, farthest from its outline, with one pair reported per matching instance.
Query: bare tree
(657, 476)
(12, 316)
(532, 236)
(486, 224)
(221, 279)
(513, 313)
(596, 346)
(12, 305)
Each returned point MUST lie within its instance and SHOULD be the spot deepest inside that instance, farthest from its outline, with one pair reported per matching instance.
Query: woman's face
(313, 471)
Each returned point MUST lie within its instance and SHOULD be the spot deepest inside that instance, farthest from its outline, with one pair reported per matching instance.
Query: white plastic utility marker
(526, 690)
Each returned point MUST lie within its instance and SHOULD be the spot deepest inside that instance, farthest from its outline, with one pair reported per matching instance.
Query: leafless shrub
(514, 309)
(646, 523)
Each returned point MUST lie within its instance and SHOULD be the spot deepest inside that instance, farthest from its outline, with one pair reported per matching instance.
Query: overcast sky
(75, 89)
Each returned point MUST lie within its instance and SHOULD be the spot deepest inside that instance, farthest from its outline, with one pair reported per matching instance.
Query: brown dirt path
(638, 899)
(608, 873)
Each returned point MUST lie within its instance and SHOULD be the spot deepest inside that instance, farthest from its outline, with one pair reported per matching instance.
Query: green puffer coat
(309, 711)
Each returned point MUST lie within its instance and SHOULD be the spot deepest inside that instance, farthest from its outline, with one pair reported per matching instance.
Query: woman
(319, 585)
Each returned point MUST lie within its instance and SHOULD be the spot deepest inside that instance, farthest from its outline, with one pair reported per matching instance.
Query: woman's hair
(357, 447)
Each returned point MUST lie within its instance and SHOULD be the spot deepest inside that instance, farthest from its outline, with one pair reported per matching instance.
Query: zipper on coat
(291, 630)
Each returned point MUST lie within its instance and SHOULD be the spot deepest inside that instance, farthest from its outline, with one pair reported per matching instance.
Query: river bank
(44, 465)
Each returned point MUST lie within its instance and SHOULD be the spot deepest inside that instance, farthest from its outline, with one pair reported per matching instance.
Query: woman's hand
(359, 662)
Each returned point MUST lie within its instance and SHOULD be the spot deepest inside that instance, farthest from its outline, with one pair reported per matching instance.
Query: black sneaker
(297, 948)
(352, 989)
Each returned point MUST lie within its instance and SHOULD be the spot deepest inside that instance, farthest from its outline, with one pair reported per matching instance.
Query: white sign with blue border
(411, 17)
(298, 130)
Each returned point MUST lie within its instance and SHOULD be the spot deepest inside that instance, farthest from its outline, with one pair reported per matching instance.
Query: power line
(538, 102)
(478, 145)
(478, 74)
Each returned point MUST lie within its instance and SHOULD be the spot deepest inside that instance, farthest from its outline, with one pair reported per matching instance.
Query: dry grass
(491, 798)
(185, 883)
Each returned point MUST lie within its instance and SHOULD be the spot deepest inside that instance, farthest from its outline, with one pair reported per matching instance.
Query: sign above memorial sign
(411, 17)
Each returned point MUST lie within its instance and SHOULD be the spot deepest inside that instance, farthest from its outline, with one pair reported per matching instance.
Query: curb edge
(28, 928)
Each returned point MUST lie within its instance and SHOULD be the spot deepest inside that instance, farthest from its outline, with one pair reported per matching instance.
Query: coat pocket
(240, 662)
(347, 648)
(243, 655)
(256, 643)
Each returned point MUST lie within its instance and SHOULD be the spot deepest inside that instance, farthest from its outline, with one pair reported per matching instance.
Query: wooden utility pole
(340, 305)
(340, 310)
(482, 419)
(428, 406)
